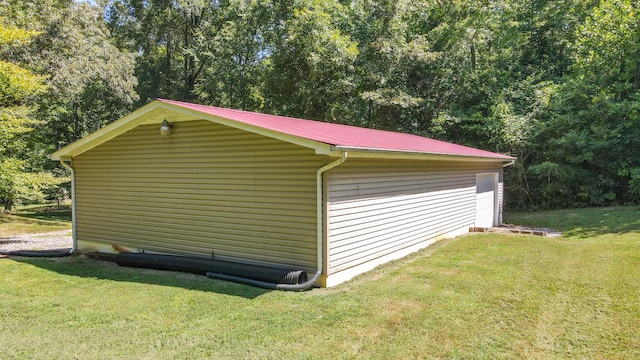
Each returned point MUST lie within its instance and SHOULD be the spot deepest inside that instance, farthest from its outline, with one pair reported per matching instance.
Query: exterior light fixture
(165, 128)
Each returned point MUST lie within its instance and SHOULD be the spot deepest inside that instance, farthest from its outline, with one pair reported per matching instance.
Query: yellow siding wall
(379, 207)
(205, 188)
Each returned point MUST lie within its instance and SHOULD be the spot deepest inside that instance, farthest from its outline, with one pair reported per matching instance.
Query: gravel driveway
(45, 241)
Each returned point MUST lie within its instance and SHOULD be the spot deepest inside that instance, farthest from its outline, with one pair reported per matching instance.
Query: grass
(583, 223)
(484, 296)
(35, 219)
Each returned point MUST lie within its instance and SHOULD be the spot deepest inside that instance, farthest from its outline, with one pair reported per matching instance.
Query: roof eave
(415, 155)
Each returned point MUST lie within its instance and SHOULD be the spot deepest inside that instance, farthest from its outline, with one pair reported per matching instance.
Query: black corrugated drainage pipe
(201, 266)
(268, 285)
(39, 253)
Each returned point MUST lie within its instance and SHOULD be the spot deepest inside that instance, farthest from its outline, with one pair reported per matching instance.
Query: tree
(173, 40)
(395, 65)
(555, 83)
(19, 180)
(238, 53)
(309, 60)
(595, 134)
(90, 81)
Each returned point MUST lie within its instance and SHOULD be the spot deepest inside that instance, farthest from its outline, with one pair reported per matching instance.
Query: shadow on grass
(39, 218)
(62, 214)
(583, 223)
(101, 270)
(603, 230)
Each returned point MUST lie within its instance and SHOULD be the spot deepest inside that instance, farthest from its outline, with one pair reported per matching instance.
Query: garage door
(486, 199)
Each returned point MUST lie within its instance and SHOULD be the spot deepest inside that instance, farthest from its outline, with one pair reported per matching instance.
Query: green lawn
(34, 220)
(483, 296)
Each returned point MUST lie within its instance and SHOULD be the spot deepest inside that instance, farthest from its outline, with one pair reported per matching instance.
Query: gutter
(69, 166)
(418, 155)
(320, 214)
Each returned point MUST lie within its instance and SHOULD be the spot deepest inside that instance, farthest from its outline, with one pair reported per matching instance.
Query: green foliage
(20, 180)
(592, 129)
(634, 182)
(14, 36)
(548, 82)
(309, 68)
(92, 81)
(607, 47)
(173, 40)
(554, 83)
(19, 186)
(16, 124)
(235, 51)
(17, 84)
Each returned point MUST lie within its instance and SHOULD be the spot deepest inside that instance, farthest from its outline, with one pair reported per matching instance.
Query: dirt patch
(515, 229)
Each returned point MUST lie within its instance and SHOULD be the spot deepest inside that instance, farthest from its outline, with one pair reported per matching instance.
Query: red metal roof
(341, 136)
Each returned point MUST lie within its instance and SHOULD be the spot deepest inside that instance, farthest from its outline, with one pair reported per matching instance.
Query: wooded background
(554, 83)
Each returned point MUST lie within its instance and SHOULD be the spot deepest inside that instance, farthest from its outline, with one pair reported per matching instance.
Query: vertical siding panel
(500, 195)
(204, 189)
(380, 207)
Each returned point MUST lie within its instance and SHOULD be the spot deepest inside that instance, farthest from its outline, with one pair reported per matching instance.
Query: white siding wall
(376, 208)
(500, 195)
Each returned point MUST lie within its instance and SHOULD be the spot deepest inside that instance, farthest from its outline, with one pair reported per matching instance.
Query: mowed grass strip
(486, 296)
(34, 220)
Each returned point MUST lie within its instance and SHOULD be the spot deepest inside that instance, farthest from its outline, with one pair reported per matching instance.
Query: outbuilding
(185, 179)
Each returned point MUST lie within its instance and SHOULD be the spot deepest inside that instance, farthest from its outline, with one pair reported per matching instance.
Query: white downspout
(320, 220)
(73, 203)
(319, 209)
